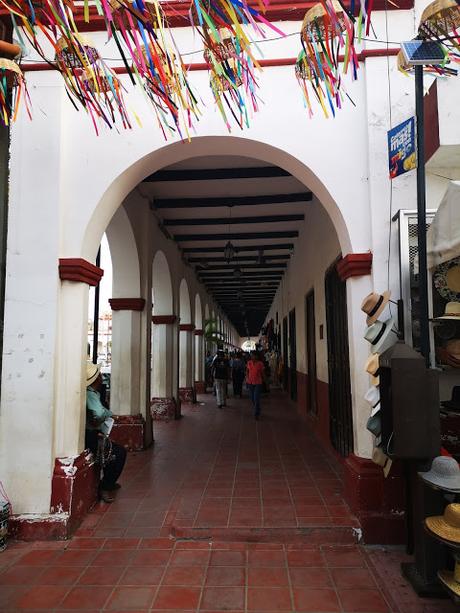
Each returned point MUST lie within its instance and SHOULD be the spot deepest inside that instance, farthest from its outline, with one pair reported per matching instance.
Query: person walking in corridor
(254, 379)
(220, 373)
(238, 369)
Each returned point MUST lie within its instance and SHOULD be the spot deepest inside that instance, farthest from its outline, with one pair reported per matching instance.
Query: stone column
(200, 383)
(186, 375)
(129, 429)
(163, 404)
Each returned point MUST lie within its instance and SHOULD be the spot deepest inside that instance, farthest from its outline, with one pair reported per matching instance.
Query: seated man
(110, 456)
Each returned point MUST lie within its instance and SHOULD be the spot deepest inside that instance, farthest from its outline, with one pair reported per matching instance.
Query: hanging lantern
(104, 87)
(229, 252)
(441, 21)
(326, 30)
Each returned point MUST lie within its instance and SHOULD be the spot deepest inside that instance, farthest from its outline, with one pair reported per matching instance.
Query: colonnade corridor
(223, 513)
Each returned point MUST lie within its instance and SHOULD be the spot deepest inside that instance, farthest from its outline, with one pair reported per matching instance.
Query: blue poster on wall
(401, 148)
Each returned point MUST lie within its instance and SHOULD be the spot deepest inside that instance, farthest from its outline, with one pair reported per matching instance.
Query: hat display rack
(381, 335)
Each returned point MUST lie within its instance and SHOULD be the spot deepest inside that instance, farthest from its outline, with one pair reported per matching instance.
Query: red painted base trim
(73, 492)
(377, 502)
(164, 409)
(129, 431)
(187, 395)
(200, 387)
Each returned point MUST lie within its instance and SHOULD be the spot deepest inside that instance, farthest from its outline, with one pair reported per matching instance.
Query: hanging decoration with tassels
(13, 87)
(156, 63)
(327, 30)
(440, 22)
(90, 81)
(222, 25)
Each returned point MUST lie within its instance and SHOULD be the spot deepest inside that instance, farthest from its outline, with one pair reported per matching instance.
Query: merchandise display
(444, 474)
(446, 526)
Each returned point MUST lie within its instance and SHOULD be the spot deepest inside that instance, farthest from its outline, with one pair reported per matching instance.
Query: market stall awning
(443, 238)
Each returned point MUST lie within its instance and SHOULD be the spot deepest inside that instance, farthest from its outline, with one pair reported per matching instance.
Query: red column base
(73, 493)
(187, 395)
(129, 431)
(377, 502)
(164, 409)
(200, 387)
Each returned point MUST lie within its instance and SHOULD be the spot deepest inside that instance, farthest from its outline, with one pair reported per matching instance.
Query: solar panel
(423, 52)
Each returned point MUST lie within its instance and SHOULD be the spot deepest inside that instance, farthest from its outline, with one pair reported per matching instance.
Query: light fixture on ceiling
(229, 252)
(237, 272)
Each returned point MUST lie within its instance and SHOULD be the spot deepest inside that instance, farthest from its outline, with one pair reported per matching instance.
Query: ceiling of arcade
(205, 203)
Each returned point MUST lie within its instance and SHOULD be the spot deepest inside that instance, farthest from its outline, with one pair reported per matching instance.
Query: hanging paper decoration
(228, 53)
(440, 21)
(327, 30)
(156, 63)
(307, 77)
(232, 78)
(90, 81)
(13, 87)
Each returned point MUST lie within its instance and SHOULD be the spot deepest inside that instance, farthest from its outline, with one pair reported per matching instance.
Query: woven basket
(13, 73)
(440, 17)
(67, 56)
(317, 18)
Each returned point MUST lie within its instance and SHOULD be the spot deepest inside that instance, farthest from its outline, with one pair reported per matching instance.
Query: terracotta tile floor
(176, 539)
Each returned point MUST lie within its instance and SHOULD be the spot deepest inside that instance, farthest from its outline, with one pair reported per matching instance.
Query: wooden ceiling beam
(235, 236)
(225, 221)
(213, 174)
(230, 201)
(240, 248)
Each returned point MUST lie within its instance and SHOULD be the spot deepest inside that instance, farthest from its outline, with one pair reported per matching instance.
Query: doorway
(310, 326)
(285, 354)
(340, 409)
(292, 355)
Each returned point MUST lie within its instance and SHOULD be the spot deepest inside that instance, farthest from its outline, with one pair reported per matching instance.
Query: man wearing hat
(111, 456)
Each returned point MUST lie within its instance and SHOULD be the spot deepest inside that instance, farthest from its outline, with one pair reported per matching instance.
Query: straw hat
(373, 304)
(372, 366)
(444, 473)
(92, 373)
(381, 335)
(450, 579)
(372, 395)
(381, 459)
(446, 526)
(451, 311)
(374, 424)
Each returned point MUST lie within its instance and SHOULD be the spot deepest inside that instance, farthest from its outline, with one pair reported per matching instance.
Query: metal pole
(421, 218)
(96, 312)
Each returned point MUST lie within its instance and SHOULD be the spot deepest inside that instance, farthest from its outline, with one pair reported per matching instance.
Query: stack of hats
(454, 403)
(447, 528)
(381, 335)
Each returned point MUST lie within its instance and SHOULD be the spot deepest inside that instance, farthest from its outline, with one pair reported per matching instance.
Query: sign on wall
(401, 148)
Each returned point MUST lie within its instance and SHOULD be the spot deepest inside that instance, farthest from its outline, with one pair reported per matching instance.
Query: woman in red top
(254, 380)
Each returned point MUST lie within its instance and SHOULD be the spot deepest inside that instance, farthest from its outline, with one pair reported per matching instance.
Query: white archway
(185, 343)
(163, 331)
(125, 383)
(162, 293)
(126, 181)
(199, 346)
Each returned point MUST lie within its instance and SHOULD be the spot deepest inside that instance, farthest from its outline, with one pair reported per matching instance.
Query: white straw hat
(381, 335)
